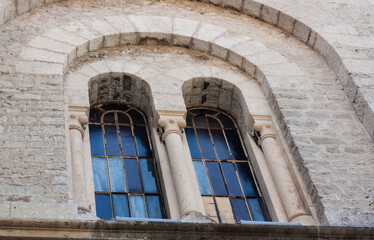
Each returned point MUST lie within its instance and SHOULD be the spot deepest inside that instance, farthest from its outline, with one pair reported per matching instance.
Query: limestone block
(235, 58)
(265, 58)
(208, 32)
(82, 49)
(359, 66)
(43, 210)
(218, 51)
(100, 67)
(179, 73)
(252, 8)
(249, 48)
(121, 23)
(100, 25)
(62, 35)
(9, 10)
(312, 38)
(132, 68)
(130, 38)
(35, 54)
(88, 71)
(23, 6)
(201, 45)
(81, 30)
(115, 66)
(42, 68)
(112, 40)
(76, 80)
(96, 43)
(229, 39)
(282, 69)
(249, 67)
(233, 4)
(5, 209)
(269, 15)
(324, 48)
(52, 45)
(151, 23)
(183, 30)
(286, 22)
(301, 31)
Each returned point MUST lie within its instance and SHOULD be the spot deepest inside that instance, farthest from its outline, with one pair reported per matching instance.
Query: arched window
(225, 178)
(125, 178)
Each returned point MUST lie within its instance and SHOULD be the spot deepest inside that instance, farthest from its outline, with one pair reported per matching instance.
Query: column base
(196, 218)
(304, 220)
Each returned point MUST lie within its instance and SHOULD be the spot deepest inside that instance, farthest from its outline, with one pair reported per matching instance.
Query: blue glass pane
(213, 123)
(122, 118)
(257, 209)
(117, 180)
(137, 206)
(147, 169)
(240, 209)
(200, 121)
(103, 206)
(100, 174)
(192, 143)
(132, 176)
(120, 205)
(216, 179)
(96, 140)
(226, 121)
(206, 144)
(127, 141)
(95, 115)
(109, 118)
(137, 118)
(235, 145)
(246, 178)
(111, 138)
(202, 178)
(231, 179)
(220, 143)
(154, 206)
(142, 142)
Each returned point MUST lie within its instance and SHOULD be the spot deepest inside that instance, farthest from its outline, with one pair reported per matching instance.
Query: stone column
(172, 123)
(282, 177)
(76, 133)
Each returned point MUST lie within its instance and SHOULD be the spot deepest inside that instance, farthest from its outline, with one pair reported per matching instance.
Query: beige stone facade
(295, 75)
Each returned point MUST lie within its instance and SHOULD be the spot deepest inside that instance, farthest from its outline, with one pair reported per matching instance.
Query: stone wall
(331, 148)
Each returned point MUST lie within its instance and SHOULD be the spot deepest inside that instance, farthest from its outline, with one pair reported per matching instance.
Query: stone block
(52, 45)
(252, 8)
(34, 54)
(359, 66)
(99, 25)
(81, 30)
(185, 27)
(301, 31)
(228, 40)
(115, 66)
(218, 51)
(235, 58)
(4, 209)
(121, 23)
(43, 210)
(208, 32)
(232, 4)
(266, 58)
(286, 22)
(41, 68)
(82, 49)
(282, 69)
(9, 10)
(112, 40)
(249, 48)
(249, 67)
(312, 38)
(62, 35)
(200, 45)
(96, 43)
(269, 15)
(23, 6)
(151, 23)
(36, 3)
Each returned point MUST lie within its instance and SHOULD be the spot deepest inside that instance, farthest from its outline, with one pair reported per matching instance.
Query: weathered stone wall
(332, 149)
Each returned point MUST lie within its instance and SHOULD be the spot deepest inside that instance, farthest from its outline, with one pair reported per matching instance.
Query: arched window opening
(228, 188)
(124, 170)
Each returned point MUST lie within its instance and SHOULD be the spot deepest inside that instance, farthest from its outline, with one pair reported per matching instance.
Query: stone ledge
(83, 229)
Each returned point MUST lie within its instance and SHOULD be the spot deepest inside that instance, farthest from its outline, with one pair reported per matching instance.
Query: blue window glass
(215, 176)
(240, 209)
(148, 175)
(142, 142)
(112, 144)
(124, 172)
(206, 144)
(127, 141)
(117, 180)
(100, 174)
(132, 176)
(223, 173)
(137, 206)
(192, 143)
(120, 205)
(103, 206)
(235, 145)
(220, 143)
(96, 139)
(246, 178)
(202, 178)
(257, 209)
(154, 206)
(231, 179)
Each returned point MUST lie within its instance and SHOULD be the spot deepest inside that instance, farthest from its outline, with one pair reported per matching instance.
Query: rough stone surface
(331, 148)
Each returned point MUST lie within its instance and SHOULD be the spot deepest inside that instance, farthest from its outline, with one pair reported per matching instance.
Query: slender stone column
(76, 133)
(172, 123)
(282, 177)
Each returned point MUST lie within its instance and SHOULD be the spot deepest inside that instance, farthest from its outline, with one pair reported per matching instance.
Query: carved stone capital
(78, 122)
(266, 130)
(171, 122)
